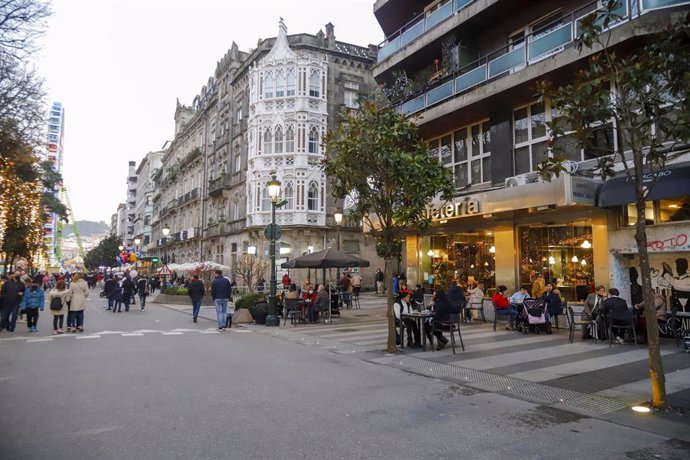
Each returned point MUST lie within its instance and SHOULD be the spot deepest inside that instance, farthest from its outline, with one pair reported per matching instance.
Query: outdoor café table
(418, 317)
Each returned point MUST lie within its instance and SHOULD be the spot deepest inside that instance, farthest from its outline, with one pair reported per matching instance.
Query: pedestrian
(196, 292)
(143, 290)
(57, 301)
(356, 283)
(221, 293)
(109, 291)
(378, 278)
(396, 285)
(79, 292)
(127, 291)
(117, 296)
(33, 301)
(12, 292)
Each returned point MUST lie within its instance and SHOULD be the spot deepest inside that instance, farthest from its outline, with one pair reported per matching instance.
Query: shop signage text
(463, 208)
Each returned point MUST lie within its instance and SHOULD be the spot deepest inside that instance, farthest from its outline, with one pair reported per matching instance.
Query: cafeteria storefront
(509, 235)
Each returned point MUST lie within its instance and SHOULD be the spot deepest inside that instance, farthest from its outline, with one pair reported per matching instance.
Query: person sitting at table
(616, 309)
(442, 312)
(292, 292)
(306, 286)
(456, 296)
(552, 301)
(322, 302)
(309, 297)
(404, 289)
(593, 305)
(501, 302)
(476, 296)
(402, 306)
(518, 298)
(418, 297)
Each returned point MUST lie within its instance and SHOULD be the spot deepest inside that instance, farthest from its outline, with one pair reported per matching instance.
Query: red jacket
(500, 300)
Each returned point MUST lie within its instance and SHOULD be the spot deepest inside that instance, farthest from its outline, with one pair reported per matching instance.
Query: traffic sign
(165, 271)
(276, 232)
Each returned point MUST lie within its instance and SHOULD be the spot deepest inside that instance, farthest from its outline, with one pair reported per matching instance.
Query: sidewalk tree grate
(536, 392)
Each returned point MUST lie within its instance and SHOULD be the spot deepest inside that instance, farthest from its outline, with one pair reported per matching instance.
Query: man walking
(220, 292)
(143, 290)
(379, 281)
(196, 293)
(12, 292)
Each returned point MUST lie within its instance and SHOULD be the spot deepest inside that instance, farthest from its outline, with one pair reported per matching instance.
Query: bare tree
(21, 22)
(250, 269)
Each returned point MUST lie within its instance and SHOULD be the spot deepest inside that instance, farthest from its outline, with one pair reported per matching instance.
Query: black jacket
(553, 303)
(442, 310)
(12, 292)
(196, 290)
(615, 308)
(141, 286)
(220, 288)
(110, 286)
(127, 287)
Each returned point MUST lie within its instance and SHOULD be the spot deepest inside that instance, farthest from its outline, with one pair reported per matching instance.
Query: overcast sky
(118, 66)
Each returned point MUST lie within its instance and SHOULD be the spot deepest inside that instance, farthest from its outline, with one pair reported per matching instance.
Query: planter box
(180, 300)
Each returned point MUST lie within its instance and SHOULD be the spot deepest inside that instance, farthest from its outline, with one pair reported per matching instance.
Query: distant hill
(87, 228)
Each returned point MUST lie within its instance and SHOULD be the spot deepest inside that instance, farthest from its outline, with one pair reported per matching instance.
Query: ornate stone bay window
(288, 116)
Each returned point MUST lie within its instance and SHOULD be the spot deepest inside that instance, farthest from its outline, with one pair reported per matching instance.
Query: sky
(118, 67)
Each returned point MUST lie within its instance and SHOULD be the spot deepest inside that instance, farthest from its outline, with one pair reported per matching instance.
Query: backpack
(56, 304)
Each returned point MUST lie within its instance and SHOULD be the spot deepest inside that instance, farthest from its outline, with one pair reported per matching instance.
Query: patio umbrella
(329, 258)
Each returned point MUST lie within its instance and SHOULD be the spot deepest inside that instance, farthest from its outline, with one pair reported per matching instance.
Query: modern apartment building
(468, 69)
(262, 114)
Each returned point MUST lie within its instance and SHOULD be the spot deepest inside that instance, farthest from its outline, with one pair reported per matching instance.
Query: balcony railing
(427, 21)
(550, 40)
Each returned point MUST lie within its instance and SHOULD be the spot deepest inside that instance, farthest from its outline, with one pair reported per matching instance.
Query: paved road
(153, 384)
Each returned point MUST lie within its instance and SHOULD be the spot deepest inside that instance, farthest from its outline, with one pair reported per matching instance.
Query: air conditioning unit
(521, 179)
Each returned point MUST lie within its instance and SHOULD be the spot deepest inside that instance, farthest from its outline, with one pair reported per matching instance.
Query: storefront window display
(464, 257)
(559, 252)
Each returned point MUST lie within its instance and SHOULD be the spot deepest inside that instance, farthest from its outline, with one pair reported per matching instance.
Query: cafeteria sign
(467, 207)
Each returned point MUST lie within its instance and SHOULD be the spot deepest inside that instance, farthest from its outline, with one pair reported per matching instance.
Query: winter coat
(12, 292)
(220, 288)
(79, 291)
(33, 298)
(196, 290)
(127, 287)
(64, 295)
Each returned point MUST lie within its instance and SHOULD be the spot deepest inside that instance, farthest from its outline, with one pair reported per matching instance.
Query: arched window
(290, 82)
(314, 140)
(314, 83)
(278, 140)
(289, 140)
(313, 197)
(268, 141)
(289, 196)
(269, 83)
(280, 84)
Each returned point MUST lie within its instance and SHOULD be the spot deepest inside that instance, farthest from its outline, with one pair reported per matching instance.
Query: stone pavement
(589, 379)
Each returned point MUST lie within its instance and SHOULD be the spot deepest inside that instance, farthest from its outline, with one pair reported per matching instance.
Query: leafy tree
(377, 159)
(104, 254)
(645, 93)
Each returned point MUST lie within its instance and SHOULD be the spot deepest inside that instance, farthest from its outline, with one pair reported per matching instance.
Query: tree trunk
(656, 371)
(391, 347)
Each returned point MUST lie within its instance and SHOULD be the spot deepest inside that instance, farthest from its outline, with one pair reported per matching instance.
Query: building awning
(671, 182)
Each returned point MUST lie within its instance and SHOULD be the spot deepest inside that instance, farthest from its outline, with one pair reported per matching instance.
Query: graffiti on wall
(670, 278)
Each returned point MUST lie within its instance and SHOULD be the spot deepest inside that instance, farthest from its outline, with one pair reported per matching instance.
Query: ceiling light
(486, 264)
(552, 261)
(575, 259)
(586, 244)
(492, 249)
(583, 262)
(430, 253)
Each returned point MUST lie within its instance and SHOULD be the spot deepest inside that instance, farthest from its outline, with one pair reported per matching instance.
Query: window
(278, 140)
(265, 199)
(238, 115)
(236, 210)
(313, 197)
(290, 82)
(351, 95)
(147, 220)
(268, 142)
(289, 140)
(269, 83)
(289, 195)
(313, 140)
(314, 83)
(659, 212)
(280, 84)
(468, 152)
(238, 162)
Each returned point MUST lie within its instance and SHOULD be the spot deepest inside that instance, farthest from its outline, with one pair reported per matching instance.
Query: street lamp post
(338, 216)
(166, 232)
(137, 242)
(274, 193)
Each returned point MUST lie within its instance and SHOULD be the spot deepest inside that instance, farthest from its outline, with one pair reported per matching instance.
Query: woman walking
(79, 292)
(61, 293)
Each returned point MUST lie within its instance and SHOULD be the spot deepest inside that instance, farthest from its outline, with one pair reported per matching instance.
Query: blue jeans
(196, 306)
(511, 309)
(221, 311)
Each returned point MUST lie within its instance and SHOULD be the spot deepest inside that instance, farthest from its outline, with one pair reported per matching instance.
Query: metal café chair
(500, 312)
(581, 319)
(622, 320)
(452, 326)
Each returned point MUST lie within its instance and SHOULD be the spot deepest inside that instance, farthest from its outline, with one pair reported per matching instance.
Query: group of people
(25, 294)
(120, 290)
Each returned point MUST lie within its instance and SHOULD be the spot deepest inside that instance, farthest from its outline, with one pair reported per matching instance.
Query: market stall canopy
(329, 258)
(670, 182)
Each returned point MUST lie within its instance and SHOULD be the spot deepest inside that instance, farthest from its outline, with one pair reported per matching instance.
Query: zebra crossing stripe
(80, 337)
(39, 340)
(132, 334)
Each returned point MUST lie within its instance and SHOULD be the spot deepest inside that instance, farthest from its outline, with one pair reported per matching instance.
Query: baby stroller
(533, 317)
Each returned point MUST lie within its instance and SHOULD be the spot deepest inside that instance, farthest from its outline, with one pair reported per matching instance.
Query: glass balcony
(549, 41)
(438, 16)
(412, 33)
